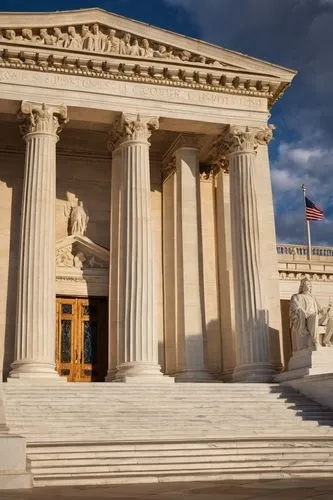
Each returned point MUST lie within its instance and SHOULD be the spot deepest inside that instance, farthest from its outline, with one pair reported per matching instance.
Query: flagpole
(307, 224)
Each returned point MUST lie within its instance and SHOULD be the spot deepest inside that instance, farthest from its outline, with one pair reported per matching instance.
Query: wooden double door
(82, 339)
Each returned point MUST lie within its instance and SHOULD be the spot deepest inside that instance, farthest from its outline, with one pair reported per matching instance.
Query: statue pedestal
(308, 362)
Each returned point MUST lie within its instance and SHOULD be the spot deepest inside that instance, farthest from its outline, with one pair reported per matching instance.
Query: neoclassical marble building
(137, 228)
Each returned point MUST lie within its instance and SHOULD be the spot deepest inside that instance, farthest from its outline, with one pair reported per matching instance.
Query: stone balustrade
(293, 265)
(300, 252)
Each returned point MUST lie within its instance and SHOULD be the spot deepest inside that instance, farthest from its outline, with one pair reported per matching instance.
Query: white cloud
(283, 180)
(304, 157)
(298, 162)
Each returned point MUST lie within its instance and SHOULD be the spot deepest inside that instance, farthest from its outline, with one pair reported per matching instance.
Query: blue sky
(293, 33)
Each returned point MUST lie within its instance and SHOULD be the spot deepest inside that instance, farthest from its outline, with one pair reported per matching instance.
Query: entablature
(98, 44)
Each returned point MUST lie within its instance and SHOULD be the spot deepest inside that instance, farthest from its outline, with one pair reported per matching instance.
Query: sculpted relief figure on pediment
(73, 257)
(101, 40)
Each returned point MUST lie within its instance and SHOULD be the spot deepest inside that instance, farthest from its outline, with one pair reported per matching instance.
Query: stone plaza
(144, 306)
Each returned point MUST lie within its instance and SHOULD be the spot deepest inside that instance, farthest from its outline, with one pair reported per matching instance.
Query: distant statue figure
(125, 44)
(146, 50)
(134, 49)
(97, 39)
(28, 35)
(304, 318)
(112, 42)
(79, 219)
(60, 37)
(73, 40)
(85, 37)
(328, 323)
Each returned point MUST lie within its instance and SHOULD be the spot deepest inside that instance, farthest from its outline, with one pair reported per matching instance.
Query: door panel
(65, 338)
(82, 340)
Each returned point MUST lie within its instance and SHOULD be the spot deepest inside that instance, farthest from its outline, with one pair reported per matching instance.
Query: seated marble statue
(304, 318)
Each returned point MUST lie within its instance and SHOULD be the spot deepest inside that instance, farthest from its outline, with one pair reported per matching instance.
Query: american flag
(312, 211)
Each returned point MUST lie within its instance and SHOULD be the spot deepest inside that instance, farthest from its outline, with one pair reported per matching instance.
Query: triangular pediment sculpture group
(101, 39)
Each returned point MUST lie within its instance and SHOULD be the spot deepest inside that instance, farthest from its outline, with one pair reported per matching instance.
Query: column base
(140, 371)
(194, 376)
(111, 375)
(227, 375)
(31, 370)
(254, 373)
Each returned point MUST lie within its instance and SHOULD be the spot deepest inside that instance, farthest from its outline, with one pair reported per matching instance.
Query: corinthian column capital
(42, 118)
(132, 127)
(137, 127)
(246, 139)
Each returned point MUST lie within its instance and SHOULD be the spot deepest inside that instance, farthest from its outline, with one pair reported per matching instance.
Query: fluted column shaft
(137, 335)
(114, 292)
(253, 356)
(35, 318)
(190, 305)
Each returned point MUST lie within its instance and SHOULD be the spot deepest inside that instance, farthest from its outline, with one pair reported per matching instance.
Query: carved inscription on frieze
(135, 90)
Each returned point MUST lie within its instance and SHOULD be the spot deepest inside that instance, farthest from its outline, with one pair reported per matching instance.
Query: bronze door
(82, 339)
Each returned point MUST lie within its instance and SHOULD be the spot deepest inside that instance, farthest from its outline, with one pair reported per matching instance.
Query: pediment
(99, 32)
(81, 253)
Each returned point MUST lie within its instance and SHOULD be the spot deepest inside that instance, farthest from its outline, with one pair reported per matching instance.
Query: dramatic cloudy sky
(293, 33)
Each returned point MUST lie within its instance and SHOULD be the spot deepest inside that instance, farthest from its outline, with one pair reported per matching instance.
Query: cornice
(167, 72)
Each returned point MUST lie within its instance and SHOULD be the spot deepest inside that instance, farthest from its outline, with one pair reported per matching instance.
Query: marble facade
(162, 141)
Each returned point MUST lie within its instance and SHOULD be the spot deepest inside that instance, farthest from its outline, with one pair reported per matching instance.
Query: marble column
(136, 322)
(190, 300)
(114, 292)
(173, 358)
(251, 311)
(35, 318)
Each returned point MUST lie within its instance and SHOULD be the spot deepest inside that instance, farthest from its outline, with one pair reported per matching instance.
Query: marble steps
(148, 468)
(214, 420)
(175, 461)
(100, 435)
(180, 404)
(119, 390)
(109, 433)
(152, 405)
(293, 415)
(161, 456)
(172, 461)
(36, 439)
(66, 395)
(89, 432)
(146, 420)
(148, 395)
(144, 417)
(172, 409)
(250, 473)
